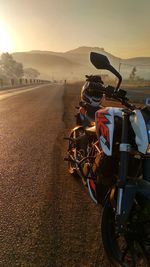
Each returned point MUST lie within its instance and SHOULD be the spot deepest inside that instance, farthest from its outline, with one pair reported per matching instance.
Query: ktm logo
(102, 122)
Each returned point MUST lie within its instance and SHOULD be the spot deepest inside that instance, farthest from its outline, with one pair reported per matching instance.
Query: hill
(74, 64)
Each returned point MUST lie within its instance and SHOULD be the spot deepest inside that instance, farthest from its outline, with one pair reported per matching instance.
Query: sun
(5, 40)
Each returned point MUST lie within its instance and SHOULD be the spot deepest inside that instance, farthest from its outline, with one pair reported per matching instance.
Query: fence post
(1, 83)
(12, 82)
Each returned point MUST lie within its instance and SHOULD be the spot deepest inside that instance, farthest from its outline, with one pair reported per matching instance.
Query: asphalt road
(47, 219)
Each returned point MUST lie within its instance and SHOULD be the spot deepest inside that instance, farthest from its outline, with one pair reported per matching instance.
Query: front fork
(122, 209)
(127, 191)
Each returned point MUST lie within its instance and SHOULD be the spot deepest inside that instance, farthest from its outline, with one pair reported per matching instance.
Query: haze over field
(74, 64)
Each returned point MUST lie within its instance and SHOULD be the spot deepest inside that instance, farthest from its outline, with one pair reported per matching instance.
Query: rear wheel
(130, 249)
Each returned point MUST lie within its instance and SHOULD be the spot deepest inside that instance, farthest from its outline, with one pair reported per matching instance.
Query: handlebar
(119, 95)
(96, 84)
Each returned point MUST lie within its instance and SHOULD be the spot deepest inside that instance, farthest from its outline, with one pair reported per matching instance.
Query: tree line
(11, 69)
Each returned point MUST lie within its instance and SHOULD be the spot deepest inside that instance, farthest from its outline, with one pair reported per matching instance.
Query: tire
(120, 249)
(107, 235)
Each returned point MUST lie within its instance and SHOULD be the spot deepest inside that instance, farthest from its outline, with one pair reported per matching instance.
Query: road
(47, 218)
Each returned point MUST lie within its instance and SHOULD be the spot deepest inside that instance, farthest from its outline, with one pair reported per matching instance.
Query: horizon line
(66, 51)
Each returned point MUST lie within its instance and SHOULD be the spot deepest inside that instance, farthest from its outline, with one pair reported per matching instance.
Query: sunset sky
(122, 27)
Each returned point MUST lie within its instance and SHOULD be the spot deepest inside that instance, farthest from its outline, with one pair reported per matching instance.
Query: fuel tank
(105, 121)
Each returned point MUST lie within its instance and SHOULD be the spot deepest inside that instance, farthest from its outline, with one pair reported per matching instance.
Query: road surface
(47, 219)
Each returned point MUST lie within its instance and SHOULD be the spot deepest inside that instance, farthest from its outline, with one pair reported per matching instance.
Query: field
(136, 93)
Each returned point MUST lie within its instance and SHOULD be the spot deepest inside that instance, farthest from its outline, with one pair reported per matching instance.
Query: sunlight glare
(5, 42)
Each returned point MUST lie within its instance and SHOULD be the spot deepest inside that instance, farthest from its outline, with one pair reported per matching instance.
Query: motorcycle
(113, 160)
(83, 136)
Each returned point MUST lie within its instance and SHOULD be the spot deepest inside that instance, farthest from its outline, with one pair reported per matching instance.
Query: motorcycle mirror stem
(117, 74)
(101, 62)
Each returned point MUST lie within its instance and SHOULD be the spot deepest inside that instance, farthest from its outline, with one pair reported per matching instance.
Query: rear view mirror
(101, 62)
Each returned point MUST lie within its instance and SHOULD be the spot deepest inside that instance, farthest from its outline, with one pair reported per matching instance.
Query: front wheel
(129, 249)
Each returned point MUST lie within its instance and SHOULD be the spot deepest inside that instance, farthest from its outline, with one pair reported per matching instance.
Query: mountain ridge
(81, 49)
(75, 63)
